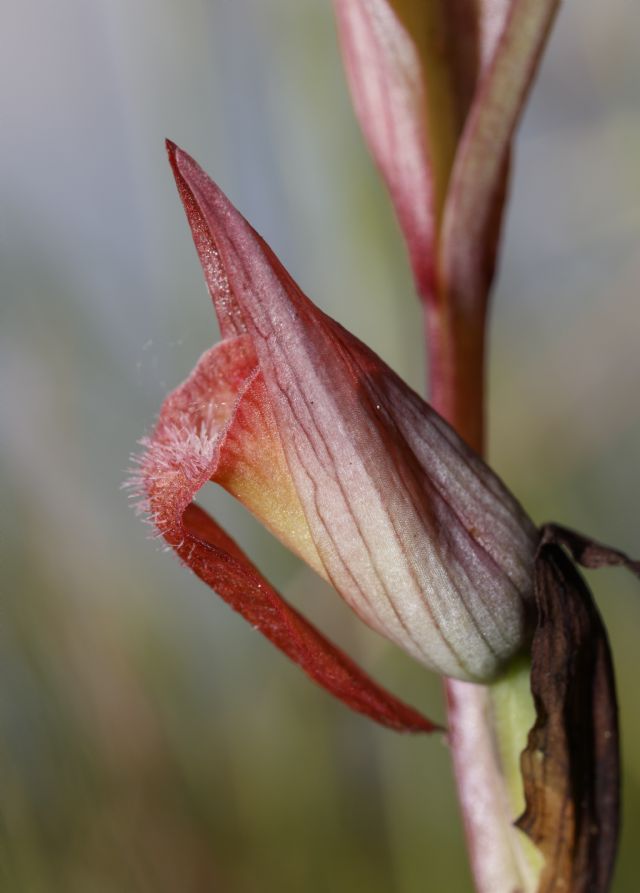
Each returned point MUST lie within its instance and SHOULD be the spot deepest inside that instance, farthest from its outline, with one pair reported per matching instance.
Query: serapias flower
(341, 460)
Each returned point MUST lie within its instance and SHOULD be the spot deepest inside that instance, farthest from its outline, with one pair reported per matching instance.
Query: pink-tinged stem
(456, 351)
(496, 864)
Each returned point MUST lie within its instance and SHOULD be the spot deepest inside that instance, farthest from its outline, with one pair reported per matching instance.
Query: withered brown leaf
(571, 764)
(588, 552)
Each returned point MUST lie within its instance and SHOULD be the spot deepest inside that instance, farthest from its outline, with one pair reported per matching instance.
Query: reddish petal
(212, 427)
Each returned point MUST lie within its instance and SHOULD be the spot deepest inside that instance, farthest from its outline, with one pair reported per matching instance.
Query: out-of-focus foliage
(148, 741)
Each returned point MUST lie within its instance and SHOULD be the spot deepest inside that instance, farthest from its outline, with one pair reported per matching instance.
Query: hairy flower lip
(374, 489)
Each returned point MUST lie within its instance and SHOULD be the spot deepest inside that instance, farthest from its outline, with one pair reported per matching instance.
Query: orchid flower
(341, 460)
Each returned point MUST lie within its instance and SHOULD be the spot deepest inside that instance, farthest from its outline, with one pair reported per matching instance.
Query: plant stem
(485, 754)
(456, 352)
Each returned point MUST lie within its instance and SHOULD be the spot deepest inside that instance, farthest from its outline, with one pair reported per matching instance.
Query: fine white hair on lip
(180, 451)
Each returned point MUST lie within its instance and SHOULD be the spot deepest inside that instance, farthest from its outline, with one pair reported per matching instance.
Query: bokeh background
(150, 742)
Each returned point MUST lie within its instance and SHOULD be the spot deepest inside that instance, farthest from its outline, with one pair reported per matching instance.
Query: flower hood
(336, 455)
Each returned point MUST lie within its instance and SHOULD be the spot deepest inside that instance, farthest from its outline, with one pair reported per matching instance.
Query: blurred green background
(149, 741)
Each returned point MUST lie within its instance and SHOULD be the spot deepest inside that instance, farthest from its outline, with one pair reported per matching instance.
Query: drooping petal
(413, 530)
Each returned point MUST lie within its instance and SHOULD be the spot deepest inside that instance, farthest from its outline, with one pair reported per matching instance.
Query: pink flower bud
(438, 88)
